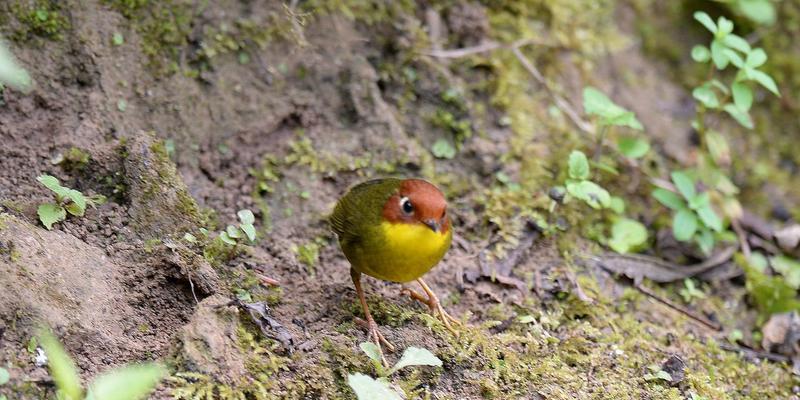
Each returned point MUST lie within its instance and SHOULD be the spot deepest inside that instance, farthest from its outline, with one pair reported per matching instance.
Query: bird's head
(418, 202)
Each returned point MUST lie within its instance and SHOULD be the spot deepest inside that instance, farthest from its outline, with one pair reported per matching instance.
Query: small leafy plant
(368, 388)
(727, 49)
(690, 292)
(232, 234)
(694, 217)
(66, 201)
(580, 187)
(610, 114)
(627, 235)
(131, 382)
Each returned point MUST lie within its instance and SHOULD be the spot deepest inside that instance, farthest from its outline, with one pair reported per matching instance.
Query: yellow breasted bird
(395, 230)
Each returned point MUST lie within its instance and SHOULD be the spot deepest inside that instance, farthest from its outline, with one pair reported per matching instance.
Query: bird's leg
(433, 303)
(369, 324)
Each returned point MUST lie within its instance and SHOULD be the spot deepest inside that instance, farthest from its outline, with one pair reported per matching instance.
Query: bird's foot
(436, 308)
(375, 336)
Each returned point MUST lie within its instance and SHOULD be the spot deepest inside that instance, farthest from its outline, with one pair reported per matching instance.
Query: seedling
(727, 49)
(580, 187)
(66, 201)
(130, 382)
(690, 292)
(694, 218)
(627, 235)
(368, 388)
(232, 234)
(611, 114)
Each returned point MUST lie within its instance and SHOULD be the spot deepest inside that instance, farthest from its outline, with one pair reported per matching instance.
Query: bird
(394, 230)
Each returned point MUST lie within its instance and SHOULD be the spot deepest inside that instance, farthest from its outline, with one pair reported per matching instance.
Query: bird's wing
(361, 207)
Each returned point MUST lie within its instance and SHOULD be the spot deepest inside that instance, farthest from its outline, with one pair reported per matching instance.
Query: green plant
(66, 201)
(367, 388)
(727, 49)
(11, 73)
(627, 235)
(580, 187)
(690, 292)
(610, 114)
(131, 382)
(694, 218)
(4, 376)
(232, 234)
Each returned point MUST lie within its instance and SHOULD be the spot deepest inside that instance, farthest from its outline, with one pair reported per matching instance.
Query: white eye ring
(406, 206)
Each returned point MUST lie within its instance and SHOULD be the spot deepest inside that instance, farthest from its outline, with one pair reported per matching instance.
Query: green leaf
(724, 27)
(633, 147)
(62, 368)
(736, 42)
(117, 39)
(367, 388)
(591, 193)
(705, 241)
(756, 58)
(227, 239)
(741, 116)
(52, 183)
(371, 350)
(684, 183)
(710, 218)
(246, 217)
(759, 11)
(734, 58)
(704, 19)
(684, 225)
(617, 205)
(742, 95)
(706, 95)
(50, 213)
(699, 200)
(664, 375)
(443, 149)
(597, 103)
(718, 54)
(626, 235)
(132, 382)
(669, 199)
(233, 232)
(416, 356)
(4, 376)
(789, 268)
(249, 231)
(578, 165)
(766, 81)
(701, 53)
(11, 73)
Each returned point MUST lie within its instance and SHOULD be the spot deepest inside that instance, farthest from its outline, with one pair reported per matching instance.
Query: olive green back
(358, 214)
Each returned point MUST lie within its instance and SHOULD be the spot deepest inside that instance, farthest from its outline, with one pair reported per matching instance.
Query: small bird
(395, 230)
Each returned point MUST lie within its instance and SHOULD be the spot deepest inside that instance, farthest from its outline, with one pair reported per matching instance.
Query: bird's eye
(406, 205)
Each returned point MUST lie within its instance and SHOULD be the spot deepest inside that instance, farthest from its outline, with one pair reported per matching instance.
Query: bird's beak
(433, 224)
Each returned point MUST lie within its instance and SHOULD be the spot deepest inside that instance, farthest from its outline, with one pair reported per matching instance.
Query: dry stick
(743, 244)
(754, 353)
(699, 318)
(561, 103)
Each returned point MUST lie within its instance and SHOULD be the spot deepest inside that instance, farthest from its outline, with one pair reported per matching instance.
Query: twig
(482, 48)
(743, 244)
(699, 318)
(561, 103)
(754, 353)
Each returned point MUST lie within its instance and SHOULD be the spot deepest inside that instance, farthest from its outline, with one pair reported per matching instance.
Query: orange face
(418, 202)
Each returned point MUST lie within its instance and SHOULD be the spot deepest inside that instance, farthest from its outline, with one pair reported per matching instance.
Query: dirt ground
(283, 124)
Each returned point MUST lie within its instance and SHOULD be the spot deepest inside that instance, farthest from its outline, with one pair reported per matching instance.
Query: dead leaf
(788, 238)
(782, 333)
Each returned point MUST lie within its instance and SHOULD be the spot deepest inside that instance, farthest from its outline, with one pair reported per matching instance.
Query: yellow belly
(406, 252)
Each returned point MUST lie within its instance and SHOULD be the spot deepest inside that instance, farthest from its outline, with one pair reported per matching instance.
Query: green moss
(75, 159)
(39, 18)
(370, 12)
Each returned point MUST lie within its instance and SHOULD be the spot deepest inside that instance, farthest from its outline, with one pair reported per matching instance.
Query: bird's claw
(375, 336)
(436, 309)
